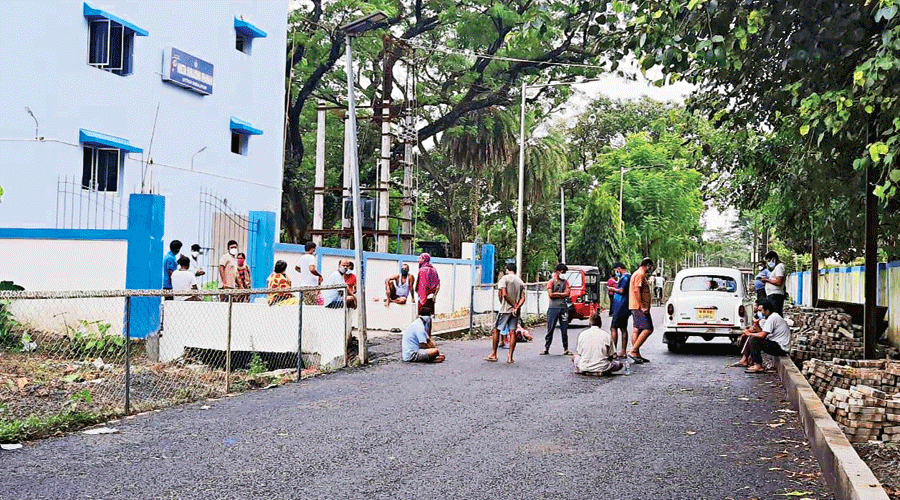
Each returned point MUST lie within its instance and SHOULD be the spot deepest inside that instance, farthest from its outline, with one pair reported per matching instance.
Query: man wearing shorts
(639, 302)
(417, 344)
(619, 307)
(512, 295)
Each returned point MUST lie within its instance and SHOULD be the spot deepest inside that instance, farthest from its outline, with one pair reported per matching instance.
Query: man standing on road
(774, 339)
(228, 269)
(658, 284)
(558, 311)
(596, 352)
(621, 312)
(758, 284)
(429, 283)
(417, 344)
(170, 265)
(512, 295)
(775, 282)
(639, 302)
(309, 275)
(610, 286)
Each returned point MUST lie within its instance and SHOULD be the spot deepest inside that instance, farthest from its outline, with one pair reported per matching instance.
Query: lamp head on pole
(367, 23)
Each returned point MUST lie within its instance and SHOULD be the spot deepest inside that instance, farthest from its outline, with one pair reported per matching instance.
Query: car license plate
(706, 314)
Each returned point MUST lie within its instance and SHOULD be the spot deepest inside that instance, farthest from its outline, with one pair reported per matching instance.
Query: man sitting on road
(400, 287)
(417, 344)
(596, 354)
(774, 339)
(755, 327)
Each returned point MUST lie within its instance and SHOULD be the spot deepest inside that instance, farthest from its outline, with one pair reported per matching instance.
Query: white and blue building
(117, 115)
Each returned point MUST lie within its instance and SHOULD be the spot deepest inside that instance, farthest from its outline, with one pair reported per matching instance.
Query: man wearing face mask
(334, 298)
(170, 265)
(195, 266)
(775, 282)
(400, 288)
(619, 307)
(228, 269)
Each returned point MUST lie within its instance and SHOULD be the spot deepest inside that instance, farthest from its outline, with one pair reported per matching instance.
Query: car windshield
(708, 284)
(574, 279)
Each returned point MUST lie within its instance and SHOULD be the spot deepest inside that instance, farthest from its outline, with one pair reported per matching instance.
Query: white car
(707, 302)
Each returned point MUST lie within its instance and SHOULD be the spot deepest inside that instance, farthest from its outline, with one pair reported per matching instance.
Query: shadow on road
(704, 348)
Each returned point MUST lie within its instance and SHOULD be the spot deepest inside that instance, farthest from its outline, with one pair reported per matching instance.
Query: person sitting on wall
(774, 339)
(417, 344)
(279, 280)
(334, 297)
(350, 280)
(400, 287)
(184, 279)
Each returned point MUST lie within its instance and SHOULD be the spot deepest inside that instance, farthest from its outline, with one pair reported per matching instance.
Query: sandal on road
(755, 370)
(738, 364)
(491, 359)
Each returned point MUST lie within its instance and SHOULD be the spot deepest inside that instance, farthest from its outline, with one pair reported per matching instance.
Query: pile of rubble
(865, 413)
(824, 334)
(824, 376)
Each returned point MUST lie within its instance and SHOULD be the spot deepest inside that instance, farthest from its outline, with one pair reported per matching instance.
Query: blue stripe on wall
(62, 234)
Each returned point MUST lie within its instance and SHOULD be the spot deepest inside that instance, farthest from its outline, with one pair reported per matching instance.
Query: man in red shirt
(639, 303)
(350, 279)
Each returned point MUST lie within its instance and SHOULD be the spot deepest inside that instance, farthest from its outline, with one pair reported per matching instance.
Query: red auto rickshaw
(584, 294)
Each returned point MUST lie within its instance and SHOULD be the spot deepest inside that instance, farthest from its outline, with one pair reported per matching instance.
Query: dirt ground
(884, 460)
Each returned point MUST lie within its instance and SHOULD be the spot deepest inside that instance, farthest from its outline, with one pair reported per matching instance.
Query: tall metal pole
(319, 196)
(357, 211)
(562, 222)
(520, 231)
(621, 185)
(871, 271)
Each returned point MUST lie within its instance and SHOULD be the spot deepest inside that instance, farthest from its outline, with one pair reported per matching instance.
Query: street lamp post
(356, 28)
(195, 154)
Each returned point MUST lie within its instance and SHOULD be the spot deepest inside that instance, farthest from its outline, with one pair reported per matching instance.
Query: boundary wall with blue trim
(456, 275)
(847, 284)
(114, 259)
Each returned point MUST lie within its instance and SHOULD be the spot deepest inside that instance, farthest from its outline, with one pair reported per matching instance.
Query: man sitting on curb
(596, 354)
(417, 344)
(774, 339)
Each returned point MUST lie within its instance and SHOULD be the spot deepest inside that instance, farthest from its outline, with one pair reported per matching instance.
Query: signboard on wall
(187, 71)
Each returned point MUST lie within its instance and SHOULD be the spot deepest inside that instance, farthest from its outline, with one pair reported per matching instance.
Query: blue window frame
(110, 41)
(244, 33)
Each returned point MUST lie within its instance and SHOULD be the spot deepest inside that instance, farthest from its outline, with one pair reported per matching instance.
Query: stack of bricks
(865, 413)
(824, 376)
(824, 334)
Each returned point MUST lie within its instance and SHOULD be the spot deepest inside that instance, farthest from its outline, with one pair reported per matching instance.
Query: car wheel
(676, 343)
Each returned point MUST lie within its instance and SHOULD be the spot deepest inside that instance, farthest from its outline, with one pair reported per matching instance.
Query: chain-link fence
(116, 352)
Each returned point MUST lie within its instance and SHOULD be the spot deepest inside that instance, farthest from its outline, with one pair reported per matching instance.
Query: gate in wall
(219, 223)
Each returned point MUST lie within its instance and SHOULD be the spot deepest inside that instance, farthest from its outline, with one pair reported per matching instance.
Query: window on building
(110, 41)
(239, 143)
(102, 169)
(244, 33)
(242, 42)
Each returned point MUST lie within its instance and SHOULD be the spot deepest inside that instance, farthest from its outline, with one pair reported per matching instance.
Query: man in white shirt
(596, 354)
(195, 266)
(334, 298)
(774, 339)
(184, 278)
(775, 282)
(309, 275)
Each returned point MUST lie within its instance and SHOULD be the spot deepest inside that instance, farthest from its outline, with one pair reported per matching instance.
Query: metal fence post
(127, 354)
(472, 309)
(348, 335)
(300, 338)
(228, 348)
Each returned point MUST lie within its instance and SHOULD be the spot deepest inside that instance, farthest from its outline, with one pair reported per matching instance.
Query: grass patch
(14, 431)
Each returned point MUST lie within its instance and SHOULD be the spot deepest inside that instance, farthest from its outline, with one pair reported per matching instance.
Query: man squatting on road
(512, 295)
(596, 352)
(418, 347)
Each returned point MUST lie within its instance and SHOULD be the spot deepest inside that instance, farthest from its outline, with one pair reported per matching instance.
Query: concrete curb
(843, 470)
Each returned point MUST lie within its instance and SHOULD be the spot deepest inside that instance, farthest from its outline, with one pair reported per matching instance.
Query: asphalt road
(680, 427)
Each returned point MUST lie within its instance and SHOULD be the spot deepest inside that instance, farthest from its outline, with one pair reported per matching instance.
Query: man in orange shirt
(639, 304)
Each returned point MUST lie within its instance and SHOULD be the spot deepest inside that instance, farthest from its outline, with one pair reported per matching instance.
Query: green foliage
(600, 241)
(257, 365)
(9, 338)
(93, 339)
(16, 430)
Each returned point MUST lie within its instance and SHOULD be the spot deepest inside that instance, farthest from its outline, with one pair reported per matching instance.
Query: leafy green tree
(600, 241)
